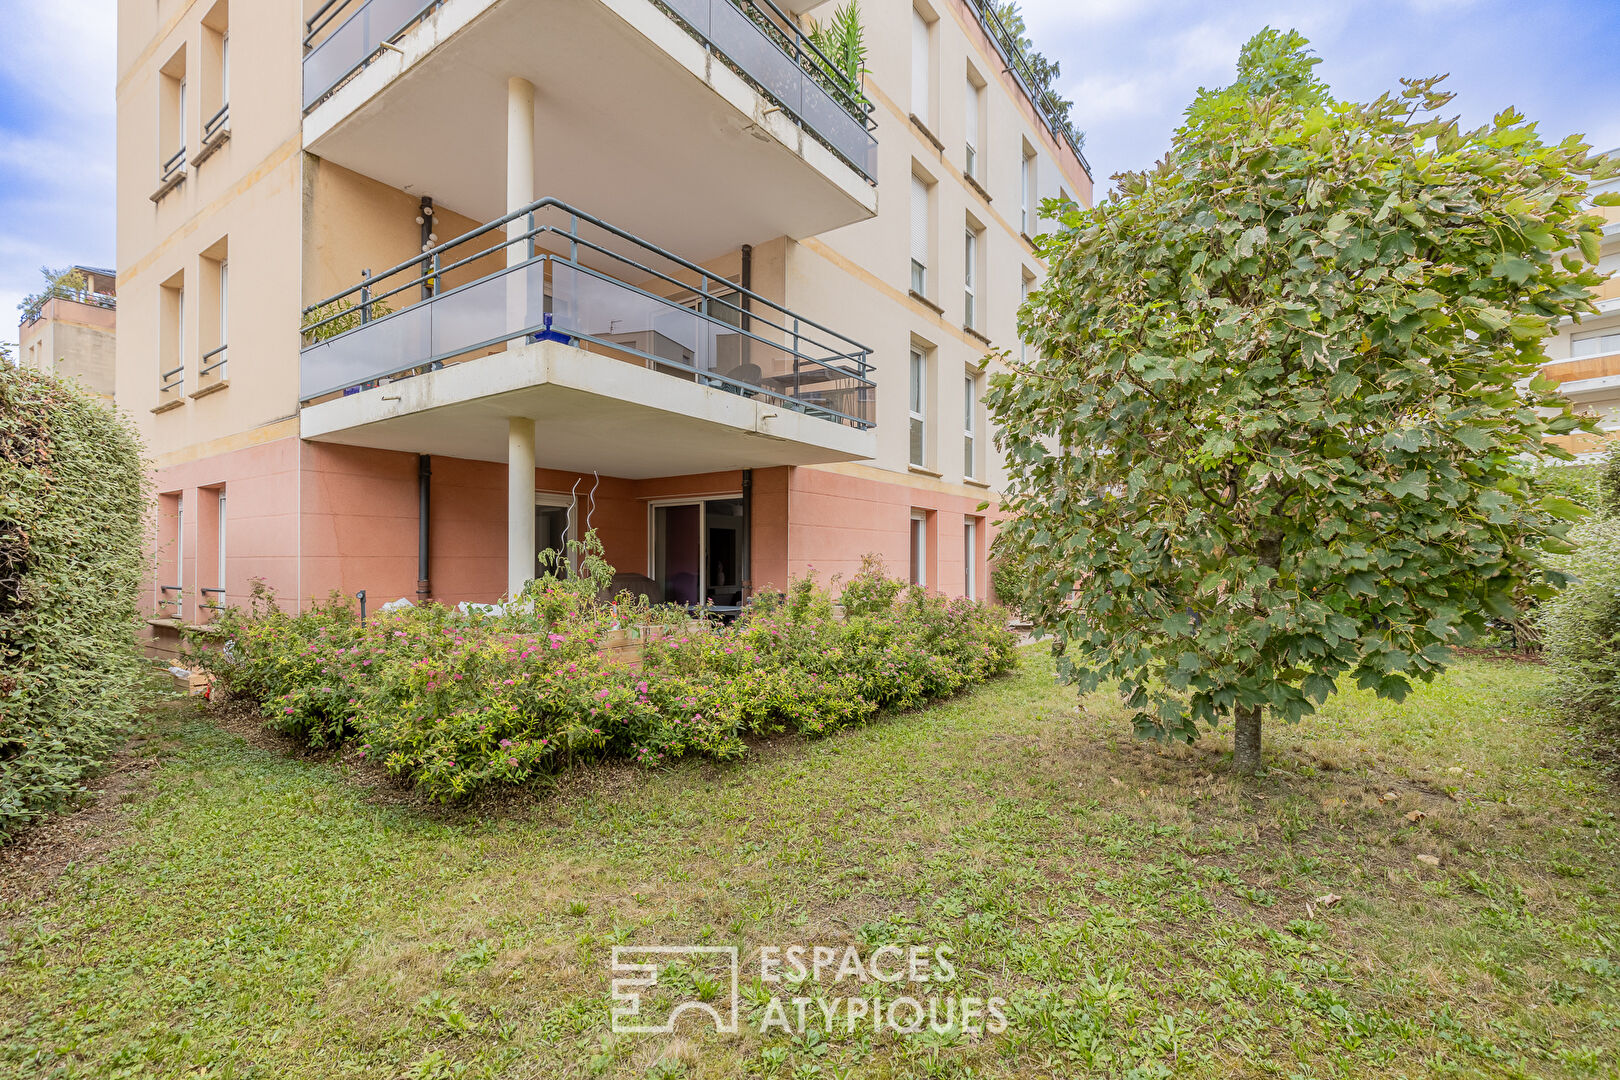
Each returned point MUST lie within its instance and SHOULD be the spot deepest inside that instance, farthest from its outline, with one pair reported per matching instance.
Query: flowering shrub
(459, 702)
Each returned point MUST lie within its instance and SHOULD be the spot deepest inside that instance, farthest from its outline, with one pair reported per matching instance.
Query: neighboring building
(753, 349)
(72, 333)
(1584, 358)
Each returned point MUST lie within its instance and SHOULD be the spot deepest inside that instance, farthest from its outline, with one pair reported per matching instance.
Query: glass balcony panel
(698, 333)
(823, 113)
(397, 343)
(496, 309)
(751, 49)
(351, 43)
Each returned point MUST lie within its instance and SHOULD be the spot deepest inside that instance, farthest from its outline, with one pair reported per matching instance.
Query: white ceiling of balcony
(623, 129)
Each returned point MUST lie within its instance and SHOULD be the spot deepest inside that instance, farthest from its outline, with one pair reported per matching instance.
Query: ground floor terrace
(309, 518)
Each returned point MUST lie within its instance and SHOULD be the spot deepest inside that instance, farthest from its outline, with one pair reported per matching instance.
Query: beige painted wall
(242, 202)
(72, 340)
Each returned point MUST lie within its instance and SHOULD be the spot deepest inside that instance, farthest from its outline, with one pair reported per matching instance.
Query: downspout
(424, 506)
(747, 302)
(747, 560)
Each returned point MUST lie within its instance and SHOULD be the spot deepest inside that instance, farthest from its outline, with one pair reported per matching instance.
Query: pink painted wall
(313, 517)
(834, 519)
(261, 487)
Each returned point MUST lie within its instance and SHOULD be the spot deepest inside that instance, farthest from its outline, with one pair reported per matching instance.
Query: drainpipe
(747, 559)
(747, 302)
(424, 503)
(430, 239)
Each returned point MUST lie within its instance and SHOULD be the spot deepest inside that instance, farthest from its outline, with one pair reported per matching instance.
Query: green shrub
(73, 512)
(457, 703)
(1581, 632)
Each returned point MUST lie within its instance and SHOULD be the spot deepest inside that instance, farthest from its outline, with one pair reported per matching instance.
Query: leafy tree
(65, 283)
(1275, 434)
(1043, 73)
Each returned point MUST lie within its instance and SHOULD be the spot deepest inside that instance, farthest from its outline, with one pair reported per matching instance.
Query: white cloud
(56, 143)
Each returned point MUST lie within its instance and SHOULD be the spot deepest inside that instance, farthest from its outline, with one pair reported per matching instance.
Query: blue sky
(1130, 65)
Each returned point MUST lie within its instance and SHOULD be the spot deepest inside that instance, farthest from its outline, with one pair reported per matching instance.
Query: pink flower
(505, 743)
(289, 710)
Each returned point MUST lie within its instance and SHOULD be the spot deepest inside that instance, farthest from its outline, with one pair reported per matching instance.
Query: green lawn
(266, 915)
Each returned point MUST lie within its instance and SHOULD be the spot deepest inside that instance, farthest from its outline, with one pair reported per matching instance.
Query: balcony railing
(587, 283)
(170, 174)
(753, 37)
(213, 360)
(1020, 68)
(335, 48)
(217, 123)
(765, 46)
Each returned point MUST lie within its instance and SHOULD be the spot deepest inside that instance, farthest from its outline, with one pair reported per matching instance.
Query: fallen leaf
(1416, 816)
(1329, 900)
(1389, 796)
(1115, 781)
(1332, 804)
(1428, 860)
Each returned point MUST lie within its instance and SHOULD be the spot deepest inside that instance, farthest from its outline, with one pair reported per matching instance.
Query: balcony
(1571, 373)
(635, 361)
(639, 105)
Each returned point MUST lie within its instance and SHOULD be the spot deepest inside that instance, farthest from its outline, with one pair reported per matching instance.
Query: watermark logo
(707, 981)
(797, 986)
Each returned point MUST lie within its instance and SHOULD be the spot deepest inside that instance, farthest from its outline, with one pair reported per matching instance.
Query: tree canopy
(1285, 408)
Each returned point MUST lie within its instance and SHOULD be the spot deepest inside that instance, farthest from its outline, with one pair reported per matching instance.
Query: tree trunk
(1246, 741)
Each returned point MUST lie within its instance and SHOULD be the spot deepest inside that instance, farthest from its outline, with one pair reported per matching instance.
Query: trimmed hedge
(73, 513)
(1581, 634)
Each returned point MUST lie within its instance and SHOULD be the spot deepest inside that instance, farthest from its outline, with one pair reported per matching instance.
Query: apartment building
(416, 291)
(1584, 357)
(71, 333)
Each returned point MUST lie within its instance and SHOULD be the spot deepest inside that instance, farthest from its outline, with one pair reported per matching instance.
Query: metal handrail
(429, 268)
(210, 354)
(217, 121)
(1022, 71)
(431, 256)
(804, 54)
(166, 383)
(310, 27)
(784, 23)
(331, 10)
(174, 164)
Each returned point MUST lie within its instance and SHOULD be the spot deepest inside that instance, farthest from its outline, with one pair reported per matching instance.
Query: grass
(266, 915)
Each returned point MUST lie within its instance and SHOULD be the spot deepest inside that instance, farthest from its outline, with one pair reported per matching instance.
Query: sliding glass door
(700, 551)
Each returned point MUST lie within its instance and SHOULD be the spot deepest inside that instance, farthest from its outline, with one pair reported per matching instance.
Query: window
(970, 556)
(224, 301)
(921, 76)
(179, 551)
(970, 264)
(215, 75)
(220, 578)
(171, 350)
(1023, 298)
(172, 119)
(1596, 343)
(974, 107)
(918, 403)
(970, 426)
(919, 547)
(1026, 192)
(919, 235)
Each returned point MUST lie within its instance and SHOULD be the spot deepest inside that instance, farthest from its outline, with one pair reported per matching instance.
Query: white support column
(519, 193)
(519, 430)
(520, 551)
